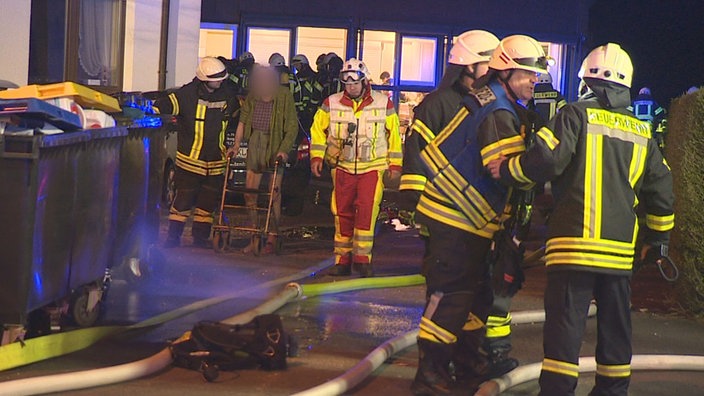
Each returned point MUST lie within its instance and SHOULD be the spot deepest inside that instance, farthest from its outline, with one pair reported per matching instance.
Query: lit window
(314, 41)
(262, 42)
(418, 61)
(378, 52)
(217, 40)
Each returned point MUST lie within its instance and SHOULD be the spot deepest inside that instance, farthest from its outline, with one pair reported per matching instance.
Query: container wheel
(221, 241)
(79, 310)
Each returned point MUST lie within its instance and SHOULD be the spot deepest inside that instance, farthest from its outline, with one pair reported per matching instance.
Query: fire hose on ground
(349, 379)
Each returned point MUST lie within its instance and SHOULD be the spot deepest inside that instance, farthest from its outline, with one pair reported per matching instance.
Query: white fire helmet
(608, 62)
(472, 47)
(519, 52)
(211, 69)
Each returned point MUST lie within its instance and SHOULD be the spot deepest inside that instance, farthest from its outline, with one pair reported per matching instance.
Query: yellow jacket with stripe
(602, 163)
(376, 132)
(203, 118)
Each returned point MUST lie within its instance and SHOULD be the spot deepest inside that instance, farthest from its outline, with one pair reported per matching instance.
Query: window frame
(73, 17)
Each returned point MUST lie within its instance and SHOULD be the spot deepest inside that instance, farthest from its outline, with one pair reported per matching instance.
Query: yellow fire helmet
(519, 52)
(608, 62)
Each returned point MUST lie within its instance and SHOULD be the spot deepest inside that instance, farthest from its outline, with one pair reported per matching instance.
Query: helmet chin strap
(508, 86)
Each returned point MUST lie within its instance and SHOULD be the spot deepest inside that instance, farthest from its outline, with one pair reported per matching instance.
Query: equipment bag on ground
(214, 346)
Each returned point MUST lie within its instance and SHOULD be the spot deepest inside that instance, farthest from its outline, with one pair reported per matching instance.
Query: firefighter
(462, 208)
(602, 163)
(241, 72)
(330, 79)
(547, 101)
(204, 108)
(310, 94)
(647, 109)
(468, 61)
(357, 132)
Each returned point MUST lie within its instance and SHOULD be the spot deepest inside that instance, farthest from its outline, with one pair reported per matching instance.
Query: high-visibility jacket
(374, 142)
(203, 118)
(602, 163)
(459, 192)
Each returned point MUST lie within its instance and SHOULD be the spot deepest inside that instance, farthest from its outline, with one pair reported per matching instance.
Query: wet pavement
(336, 331)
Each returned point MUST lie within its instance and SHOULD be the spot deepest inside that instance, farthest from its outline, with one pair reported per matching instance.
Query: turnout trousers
(567, 298)
(196, 194)
(355, 207)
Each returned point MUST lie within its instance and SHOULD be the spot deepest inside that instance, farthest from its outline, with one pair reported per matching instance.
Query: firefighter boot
(470, 361)
(365, 270)
(342, 267)
(498, 350)
(433, 375)
(201, 234)
(174, 237)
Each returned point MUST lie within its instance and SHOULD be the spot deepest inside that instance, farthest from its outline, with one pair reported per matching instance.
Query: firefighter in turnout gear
(357, 133)
(547, 101)
(603, 164)
(204, 108)
(468, 61)
(241, 72)
(310, 92)
(330, 77)
(462, 208)
(647, 109)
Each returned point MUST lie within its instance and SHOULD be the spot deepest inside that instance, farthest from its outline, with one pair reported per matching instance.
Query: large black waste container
(142, 162)
(37, 175)
(58, 214)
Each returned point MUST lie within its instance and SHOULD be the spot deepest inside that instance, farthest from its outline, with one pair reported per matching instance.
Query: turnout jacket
(376, 140)
(459, 192)
(203, 118)
(602, 163)
(435, 112)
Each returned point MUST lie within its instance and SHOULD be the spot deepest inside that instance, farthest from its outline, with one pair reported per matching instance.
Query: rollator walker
(224, 225)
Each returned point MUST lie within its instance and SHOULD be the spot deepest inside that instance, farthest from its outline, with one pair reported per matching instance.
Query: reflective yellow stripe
(410, 181)
(586, 244)
(460, 200)
(589, 259)
(619, 122)
(516, 171)
(498, 326)
(598, 186)
(498, 331)
(660, 223)
(452, 217)
(548, 137)
(588, 222)
(506, 147)
(174, 104)
(563, 368)
(221, 138)
(423, 130)
(637, 165)
(452, 125)
(613, 371)
(430, 328)
(472, 323)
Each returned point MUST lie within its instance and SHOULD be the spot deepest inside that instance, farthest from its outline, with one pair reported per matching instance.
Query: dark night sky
(665, 39)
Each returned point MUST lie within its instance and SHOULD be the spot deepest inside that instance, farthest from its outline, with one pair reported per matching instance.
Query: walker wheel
(257, 244)
(221, 241)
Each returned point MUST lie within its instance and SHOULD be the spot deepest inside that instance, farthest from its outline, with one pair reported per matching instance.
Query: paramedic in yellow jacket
(357, 133)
